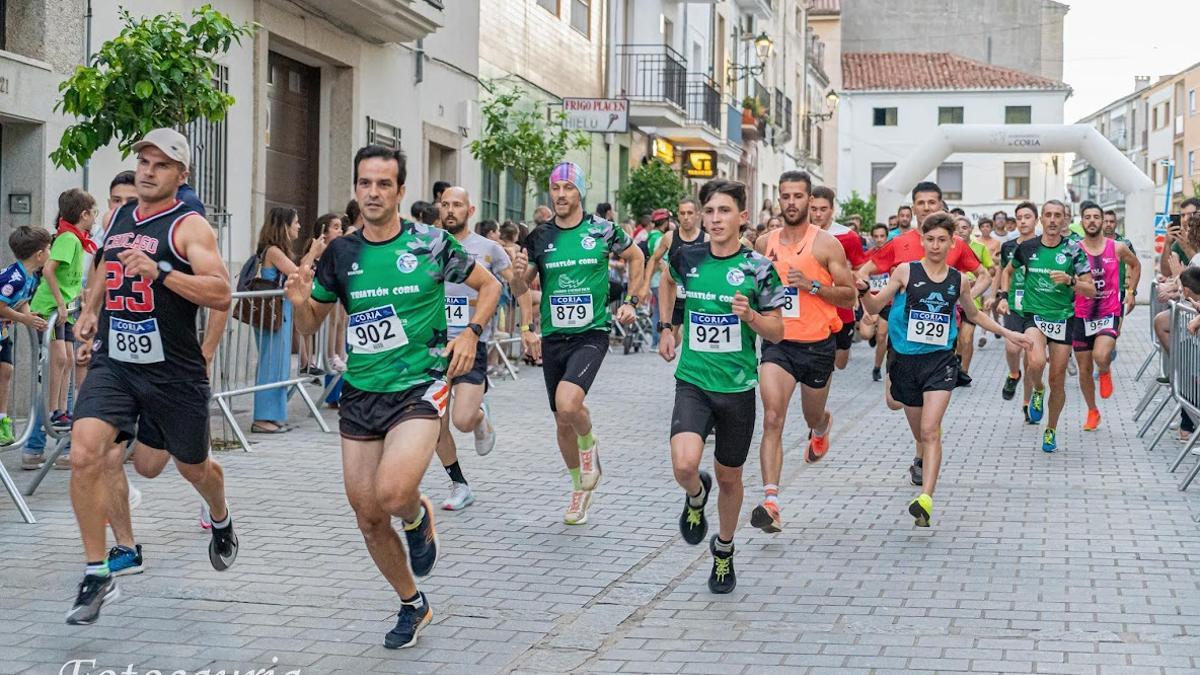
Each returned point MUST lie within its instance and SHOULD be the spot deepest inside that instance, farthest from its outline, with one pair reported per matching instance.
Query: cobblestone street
(1086, 561)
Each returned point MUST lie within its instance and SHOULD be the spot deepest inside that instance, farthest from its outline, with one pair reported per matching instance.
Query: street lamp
(762, 49)
(831, 102)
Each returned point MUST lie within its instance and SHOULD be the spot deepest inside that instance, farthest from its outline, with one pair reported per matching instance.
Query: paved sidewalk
(1087, 561)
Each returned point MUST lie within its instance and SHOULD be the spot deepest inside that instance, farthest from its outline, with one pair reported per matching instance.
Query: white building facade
(891, 102)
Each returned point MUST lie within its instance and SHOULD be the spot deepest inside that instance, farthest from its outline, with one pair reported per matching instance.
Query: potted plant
(752, 118)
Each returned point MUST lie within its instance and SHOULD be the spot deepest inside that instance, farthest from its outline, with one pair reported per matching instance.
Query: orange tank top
(806, 317)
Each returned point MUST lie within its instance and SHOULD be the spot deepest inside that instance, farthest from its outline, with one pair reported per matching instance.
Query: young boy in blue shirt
(31, 247)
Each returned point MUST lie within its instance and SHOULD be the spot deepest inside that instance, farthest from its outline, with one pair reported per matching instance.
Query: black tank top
(677, 242)
(926, 295)
(146, 328)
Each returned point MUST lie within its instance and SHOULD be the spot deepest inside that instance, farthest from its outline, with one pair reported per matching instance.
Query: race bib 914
(458, 311)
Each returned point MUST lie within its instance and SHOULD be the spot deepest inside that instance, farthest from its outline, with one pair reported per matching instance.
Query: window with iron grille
(777, 118)
(490, 209)
(581, 16)
(382, 133)
(514, 197)
(210, 149)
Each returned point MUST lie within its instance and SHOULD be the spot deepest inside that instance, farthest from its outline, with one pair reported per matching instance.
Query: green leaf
(144, 89)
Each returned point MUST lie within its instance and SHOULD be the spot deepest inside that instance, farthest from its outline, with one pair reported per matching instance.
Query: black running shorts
(171, 416)
(1081, 341)
(6, 350)
(1018, 322)
(369, 416)
(914, 374)
(730, 415)
(844, 338)
(478, 372)
(809, 363)
(572, 358)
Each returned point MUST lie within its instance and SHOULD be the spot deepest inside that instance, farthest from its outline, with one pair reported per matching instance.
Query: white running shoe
(589, 468)
(485, 433)
(577, 510)
(135, 497)
(336, 364)
(460, 497)
(205, 518)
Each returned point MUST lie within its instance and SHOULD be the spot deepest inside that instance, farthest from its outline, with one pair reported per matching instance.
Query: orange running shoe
(1093, 420)
(819, 445)
(765, 517)
(1106, 386)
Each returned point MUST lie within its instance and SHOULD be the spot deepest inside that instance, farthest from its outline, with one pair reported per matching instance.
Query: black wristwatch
(477, 328)
(662, 325)
(1073, 280)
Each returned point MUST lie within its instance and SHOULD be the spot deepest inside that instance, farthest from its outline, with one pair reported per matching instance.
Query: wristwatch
(476, 328)
(1072, 284)
(631, 300)
(816, 286)
(164, 268)
(526, 328)
(662, 325)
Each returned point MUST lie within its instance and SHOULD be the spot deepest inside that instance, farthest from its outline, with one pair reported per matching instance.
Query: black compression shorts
(730, 415)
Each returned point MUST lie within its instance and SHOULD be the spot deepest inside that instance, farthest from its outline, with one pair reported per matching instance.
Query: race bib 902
(714, 333)
(571, 311)
(135, 341)
(928, 328)
(375, 330)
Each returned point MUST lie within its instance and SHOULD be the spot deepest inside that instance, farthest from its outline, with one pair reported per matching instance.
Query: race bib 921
(714, 333)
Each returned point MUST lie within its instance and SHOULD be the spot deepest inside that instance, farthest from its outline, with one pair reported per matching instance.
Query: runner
(732, 295)
(1098, 319)
(966, 332)
(689, 232)
(1011, 290)
(817, 280)
(390, 276)
(821, 207)
(875, 328)
(468, 392)
(1055, 271)
(923, 367)
(569, 254)
(161, 263)
(927, 199)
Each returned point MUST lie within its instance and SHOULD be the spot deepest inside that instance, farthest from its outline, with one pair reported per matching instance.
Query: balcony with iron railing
(653, 74)
(703, 102)
(816, 54)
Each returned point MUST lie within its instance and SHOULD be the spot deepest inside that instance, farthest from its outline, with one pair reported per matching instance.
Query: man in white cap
(570, 254)
(138, 331)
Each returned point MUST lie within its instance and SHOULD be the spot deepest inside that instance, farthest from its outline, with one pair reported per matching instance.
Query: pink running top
(1106, 273)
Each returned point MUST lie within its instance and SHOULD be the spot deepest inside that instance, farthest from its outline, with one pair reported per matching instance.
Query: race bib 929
(929, 328)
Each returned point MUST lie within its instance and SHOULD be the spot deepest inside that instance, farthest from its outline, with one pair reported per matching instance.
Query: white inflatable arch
(1084, 140)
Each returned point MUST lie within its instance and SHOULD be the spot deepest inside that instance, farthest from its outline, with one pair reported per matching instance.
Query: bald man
(468, 405)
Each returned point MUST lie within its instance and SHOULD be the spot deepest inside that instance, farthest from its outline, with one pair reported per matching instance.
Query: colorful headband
(572, 173)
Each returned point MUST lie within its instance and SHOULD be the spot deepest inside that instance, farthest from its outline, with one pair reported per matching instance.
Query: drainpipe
(87, 59)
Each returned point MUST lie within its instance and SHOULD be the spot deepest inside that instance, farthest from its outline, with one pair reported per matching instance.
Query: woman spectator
(275, 347)
(767, 211)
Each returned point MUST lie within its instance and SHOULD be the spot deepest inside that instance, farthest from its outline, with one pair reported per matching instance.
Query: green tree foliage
(857, 206)
(517, 136)
(158, 72)
(653, 185)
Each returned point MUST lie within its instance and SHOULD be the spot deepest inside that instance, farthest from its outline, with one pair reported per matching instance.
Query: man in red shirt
(820, 213)
(907, 247)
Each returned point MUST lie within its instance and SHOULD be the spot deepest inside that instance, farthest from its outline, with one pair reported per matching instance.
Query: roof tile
(932, 71)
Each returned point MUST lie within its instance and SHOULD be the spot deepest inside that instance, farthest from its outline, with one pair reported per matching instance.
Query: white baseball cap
(172, 143)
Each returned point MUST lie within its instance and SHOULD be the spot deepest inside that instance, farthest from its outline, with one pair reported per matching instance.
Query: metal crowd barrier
(1185, 381)
(1159, 384)
(1156, 306)
(56, 439)
(243, 347)
(25, 393)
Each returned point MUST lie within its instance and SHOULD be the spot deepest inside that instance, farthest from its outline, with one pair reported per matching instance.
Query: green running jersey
(1043, 297)
(573, 266)
(395, 296)
(718, 353)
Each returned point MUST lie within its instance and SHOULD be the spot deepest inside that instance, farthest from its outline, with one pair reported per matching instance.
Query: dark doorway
(293, 136)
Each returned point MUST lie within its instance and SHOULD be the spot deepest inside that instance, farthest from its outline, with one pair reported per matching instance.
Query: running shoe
(871, 342)
(94, 591)
(135, 497)
(336, 364)
(916, 472)
(62, 420)
(31, 462)
(123, 560)
(921, 509)
(460, 497)
(589, 468)
(1072, 369)
(223, 548)
(577, 510)
(409, 623)
(766, 517)
(1106, 385)
(1049, 441)
(1010, 387)
(1025, 411)
(692, 523)
(6, 432)
(1037, 406)
(205, 517)
(876, 375)
(818, 446)
(485, 433)
(1093, 420)
(63, 461)
(722, 579)
(423, 542)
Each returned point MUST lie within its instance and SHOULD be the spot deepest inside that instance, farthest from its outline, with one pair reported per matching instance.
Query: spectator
(773, 223)
(489, 229)
(354, 220)
(275, 347)
(605, 211)
(542, 214)
(438, 188)
(424, 212)
(31, 248)
(767, 211)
